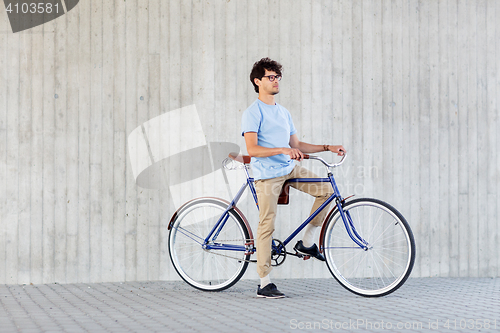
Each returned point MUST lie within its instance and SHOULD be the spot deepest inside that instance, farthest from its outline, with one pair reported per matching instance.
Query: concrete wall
(409, 87)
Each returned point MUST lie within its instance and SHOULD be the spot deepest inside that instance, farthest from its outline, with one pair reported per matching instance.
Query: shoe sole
(276, 296)
(307, 254)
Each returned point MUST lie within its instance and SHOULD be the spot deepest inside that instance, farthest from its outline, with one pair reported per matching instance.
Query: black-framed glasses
(272, 77)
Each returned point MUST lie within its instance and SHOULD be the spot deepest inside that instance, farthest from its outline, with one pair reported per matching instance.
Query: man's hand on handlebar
(339, 150)
(294, 153)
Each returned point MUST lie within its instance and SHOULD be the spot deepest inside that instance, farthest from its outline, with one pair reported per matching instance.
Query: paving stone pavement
(312, 305)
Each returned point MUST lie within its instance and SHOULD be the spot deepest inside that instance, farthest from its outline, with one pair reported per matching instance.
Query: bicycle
(368, 245)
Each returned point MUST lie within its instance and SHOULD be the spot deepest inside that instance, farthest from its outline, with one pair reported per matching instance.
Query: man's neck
(268, 99)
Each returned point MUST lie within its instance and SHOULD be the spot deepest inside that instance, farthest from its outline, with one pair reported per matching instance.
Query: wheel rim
(206, 269)
(385, 265)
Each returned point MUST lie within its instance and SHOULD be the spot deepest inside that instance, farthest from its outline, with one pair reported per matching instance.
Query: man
(271, 140)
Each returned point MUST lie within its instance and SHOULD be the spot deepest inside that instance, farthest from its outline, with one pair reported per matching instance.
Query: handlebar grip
(306, 156)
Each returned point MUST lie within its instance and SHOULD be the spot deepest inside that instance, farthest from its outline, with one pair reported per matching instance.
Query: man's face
(266, 86)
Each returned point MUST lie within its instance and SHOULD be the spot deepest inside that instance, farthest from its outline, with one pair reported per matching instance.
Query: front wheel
(204, 268)
(386, 262)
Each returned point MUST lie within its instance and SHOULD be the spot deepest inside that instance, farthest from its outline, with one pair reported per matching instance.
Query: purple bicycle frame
(353, 234)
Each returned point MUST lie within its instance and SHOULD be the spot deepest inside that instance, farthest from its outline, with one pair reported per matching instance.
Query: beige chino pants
(268, 191)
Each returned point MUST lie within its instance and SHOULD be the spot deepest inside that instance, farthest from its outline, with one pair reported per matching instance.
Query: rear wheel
(202, 268)
(388, 260)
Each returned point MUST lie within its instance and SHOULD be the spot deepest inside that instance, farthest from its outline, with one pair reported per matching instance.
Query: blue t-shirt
(274, 126)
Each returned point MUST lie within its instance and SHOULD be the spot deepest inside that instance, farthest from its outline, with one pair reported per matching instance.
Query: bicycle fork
(346, 217)
(351, 230)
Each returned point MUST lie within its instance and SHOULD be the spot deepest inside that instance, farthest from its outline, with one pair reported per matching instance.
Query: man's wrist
(326, 147)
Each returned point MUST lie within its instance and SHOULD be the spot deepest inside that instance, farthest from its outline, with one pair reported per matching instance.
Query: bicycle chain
(254, 261)
(283, 254)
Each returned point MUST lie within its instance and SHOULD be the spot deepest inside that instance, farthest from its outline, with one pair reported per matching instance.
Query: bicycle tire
(204, 269)
(388, 261)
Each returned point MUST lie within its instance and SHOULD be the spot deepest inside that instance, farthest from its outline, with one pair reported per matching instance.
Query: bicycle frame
(346, 218)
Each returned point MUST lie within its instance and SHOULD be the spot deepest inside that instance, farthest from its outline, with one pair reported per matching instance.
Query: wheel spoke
(378, 271)
(196, 257)
(359, 263)
(185, 232)
(383, 232)
(375, 226)
(357, 254)
(384, 257)
(389, 237)
(392, 250)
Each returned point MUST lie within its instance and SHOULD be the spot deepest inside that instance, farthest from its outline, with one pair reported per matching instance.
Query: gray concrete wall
(410, 88)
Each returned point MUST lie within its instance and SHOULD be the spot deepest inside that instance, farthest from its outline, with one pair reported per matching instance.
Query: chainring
(277, 258)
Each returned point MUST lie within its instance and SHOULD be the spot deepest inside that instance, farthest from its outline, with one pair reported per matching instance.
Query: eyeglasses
(272, 77)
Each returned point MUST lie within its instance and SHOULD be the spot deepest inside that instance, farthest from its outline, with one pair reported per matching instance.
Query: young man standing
(271, 140)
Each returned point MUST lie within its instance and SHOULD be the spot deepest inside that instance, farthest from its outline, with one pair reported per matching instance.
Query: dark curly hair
(259, 70)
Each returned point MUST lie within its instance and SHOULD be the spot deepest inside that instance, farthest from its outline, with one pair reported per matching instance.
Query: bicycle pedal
(303, 256)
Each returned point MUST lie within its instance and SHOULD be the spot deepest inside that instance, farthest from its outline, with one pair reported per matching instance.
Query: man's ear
(257, 81)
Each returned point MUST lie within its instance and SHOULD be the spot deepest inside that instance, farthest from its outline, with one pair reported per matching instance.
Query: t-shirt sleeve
(250, 121)
(293, 130)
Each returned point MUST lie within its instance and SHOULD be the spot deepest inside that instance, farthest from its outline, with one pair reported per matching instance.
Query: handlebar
(314, 157)
(245, 160)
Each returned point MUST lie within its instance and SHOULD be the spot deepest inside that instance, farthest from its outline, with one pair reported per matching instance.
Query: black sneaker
(269, 291)
(308, 251)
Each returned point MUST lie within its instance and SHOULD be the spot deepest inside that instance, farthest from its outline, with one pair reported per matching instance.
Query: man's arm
(310, 148)
(255, 150)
